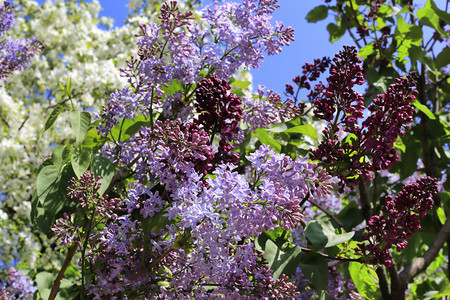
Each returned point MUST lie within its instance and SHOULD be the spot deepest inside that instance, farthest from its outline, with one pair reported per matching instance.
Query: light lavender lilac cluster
(205, 225)
(17, 286)
(14, 54)
(231, 36)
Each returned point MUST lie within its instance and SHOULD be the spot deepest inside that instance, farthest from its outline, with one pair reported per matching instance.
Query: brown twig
(421, 263)
(339, 223)
(67, 260)
(333, 257)
(64, 267)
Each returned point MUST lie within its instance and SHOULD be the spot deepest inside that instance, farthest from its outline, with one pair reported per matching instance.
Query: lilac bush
(180, 189)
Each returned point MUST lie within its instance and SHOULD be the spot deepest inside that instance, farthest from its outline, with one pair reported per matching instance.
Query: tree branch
(339, 223)
(365, 200)
(384, 284)
(421, 263)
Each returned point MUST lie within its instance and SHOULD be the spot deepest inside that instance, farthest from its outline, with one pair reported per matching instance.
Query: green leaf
(265, 139)
(366, 51)
(59, 157)
(53, 116)
(315, 267)
(127, 128)
(399, 144)
(46, 178)
(278, 128)
(441, 215)
(51, 191)
(317, 14)
(322, 234)
(44, 281)
(80, 121)
(335, 31)
(424, 109)
(418, 53)
(279, 261)
(443, 58)
(241, 84)
(81, 159)
(442, 14)
(93, 140)
(103, 167)
(350, 216)
(306, 129)
(443, 292)
(365, 279)
(428, 17)
(67, 89)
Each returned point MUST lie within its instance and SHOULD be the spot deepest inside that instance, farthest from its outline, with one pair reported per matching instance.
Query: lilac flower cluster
(401, 219)
(219, 112)
(391, 114)
(267, 109)
(338, 287)
(85, 190)
(209, 227)
(167, 153)
(14, 54)
(246, 30)
(311, 72)
(370, 147)
(345, 73)
(17, 286)
(232, 36)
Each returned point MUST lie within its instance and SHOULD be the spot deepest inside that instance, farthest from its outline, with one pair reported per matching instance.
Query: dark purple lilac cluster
(14, 54)
(399, 221)
(311, 72)
(345, 73)
(17, 286)
(391, 114)
(219, 112)
(351, 150)
(374, 7)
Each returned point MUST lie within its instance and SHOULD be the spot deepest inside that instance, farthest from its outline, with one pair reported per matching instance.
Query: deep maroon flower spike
(370, 147)
(400, 219)
(219, 112)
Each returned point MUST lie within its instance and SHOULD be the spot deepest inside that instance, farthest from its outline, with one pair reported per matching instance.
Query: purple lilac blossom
(14, 54)
(267, 109)
(178, 50)
(17, 286)
(210, 227)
